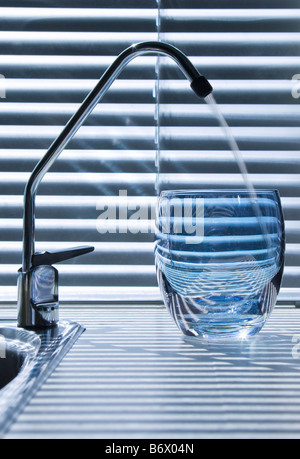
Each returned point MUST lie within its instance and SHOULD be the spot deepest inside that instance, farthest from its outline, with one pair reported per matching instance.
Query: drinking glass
(219, 258)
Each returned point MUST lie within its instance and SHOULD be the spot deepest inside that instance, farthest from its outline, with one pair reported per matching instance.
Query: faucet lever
(38, 288)
(51, 258)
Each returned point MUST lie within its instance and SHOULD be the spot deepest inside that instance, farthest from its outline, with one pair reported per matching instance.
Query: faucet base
(38, 305)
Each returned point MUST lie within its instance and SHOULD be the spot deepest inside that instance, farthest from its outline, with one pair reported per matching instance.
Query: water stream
(210, 100)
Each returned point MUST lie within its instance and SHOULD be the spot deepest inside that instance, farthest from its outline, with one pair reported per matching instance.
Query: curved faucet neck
(198, 83)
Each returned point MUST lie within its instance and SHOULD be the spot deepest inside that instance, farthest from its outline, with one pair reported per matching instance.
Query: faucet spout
(199, 85)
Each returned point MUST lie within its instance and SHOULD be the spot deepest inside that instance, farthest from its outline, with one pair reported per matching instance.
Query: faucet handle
(51, 258)
(38, 288)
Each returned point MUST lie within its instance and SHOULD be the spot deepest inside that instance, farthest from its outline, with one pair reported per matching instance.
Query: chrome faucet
(38, 304)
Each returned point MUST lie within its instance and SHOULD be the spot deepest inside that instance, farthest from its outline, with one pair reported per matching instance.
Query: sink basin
(26, 359)
(17, 348)
(10, 367)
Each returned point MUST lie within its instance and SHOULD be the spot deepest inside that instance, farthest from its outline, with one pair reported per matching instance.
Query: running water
(210, 100)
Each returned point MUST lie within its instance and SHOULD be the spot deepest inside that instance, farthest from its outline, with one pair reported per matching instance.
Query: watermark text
(296, 347)
(2, 347)
(296, 86)
(176, 216)
(2, 87)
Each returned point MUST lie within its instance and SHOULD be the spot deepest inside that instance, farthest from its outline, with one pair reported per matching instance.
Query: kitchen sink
(17, 349)
(10, 367)
(27, 358)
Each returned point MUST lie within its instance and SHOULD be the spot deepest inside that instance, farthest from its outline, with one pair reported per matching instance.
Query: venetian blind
(249, 51)
(51, 57)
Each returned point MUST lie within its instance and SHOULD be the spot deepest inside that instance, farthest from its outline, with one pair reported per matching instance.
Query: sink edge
(53, 345)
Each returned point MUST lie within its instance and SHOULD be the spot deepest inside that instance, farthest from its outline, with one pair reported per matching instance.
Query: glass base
(214, 327)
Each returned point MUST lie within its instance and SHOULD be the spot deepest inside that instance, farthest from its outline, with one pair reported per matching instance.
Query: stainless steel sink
(17, 349)
(26, 360)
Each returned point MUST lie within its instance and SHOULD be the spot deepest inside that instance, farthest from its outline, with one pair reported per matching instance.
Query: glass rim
(216, 192)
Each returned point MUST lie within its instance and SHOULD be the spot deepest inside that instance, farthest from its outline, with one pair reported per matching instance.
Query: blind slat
(112, 253)
(189, 115)
(85, 206)
(37, 67)
(106, 275)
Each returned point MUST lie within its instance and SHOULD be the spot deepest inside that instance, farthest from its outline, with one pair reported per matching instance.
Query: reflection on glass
(219, 263)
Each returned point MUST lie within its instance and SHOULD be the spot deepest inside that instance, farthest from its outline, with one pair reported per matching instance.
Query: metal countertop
(133, 375)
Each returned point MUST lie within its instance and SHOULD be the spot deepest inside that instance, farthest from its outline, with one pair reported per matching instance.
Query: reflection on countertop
(133, 375)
